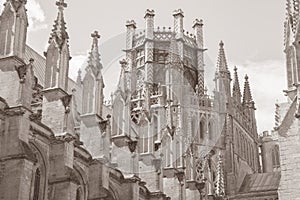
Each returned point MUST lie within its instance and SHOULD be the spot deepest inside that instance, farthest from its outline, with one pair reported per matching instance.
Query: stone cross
(61, 3)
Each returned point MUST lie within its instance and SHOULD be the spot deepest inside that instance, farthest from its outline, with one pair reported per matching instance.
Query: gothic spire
(59, 31)
(94, 60)
(247, 97)
(79, 78)
(222, 63)
(220, 183)
(236, 91)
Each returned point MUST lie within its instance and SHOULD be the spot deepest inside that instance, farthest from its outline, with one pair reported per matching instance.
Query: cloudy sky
(251, 30)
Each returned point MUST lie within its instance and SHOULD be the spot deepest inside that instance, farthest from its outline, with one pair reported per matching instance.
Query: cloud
(36, 15)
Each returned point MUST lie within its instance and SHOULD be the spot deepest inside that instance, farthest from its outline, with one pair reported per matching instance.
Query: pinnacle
(247, 97)
(94, 57)
(236, 93)
(222, 63)
(59, 31)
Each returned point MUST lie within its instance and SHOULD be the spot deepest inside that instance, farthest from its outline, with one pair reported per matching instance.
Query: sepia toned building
(288, 112)
(161, 137)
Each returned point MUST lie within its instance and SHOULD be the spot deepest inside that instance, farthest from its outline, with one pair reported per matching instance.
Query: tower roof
(59, 31)
(94, 60)
(247, 97)
(222, 62)
(236, 90)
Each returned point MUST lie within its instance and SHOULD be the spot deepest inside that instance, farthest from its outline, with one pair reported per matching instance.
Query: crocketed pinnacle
(59, 31)
(222, 63)
(220, 182)
(94, 60)
(236, 91)
(247, 97)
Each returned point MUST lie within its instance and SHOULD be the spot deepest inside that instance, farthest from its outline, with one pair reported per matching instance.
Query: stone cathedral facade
(288, 113)
(162, 137)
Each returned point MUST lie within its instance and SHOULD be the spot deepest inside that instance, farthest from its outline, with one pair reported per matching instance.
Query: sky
(251, 30)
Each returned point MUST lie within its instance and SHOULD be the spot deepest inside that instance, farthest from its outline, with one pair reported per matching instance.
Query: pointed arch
(275, 158)
(40, 173)
(201, 130)
(88, 93)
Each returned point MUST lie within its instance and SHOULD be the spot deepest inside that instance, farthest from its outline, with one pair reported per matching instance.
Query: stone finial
(95, 35)
(149, 13)
(178, 12)
(197, 23)
(61, 4)
(123, 63)
(130, 23)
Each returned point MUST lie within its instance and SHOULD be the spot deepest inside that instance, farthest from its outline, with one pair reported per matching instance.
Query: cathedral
(162, 136)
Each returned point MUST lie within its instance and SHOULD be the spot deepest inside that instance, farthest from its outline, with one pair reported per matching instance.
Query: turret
(198, 29)
(149, 46)
(131, 27)
(178, 23)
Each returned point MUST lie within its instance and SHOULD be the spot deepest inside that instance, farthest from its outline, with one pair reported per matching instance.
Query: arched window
(210, 130)
(201, 131)
(193, 127)
(275, 158)
(37, 182)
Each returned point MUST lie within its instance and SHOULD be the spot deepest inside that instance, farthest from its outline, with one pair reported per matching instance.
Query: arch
(166, 149)
(83, 180)
(275, 157)
(201, 130)
(88, 93)
(40, 173)
(193, 127)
